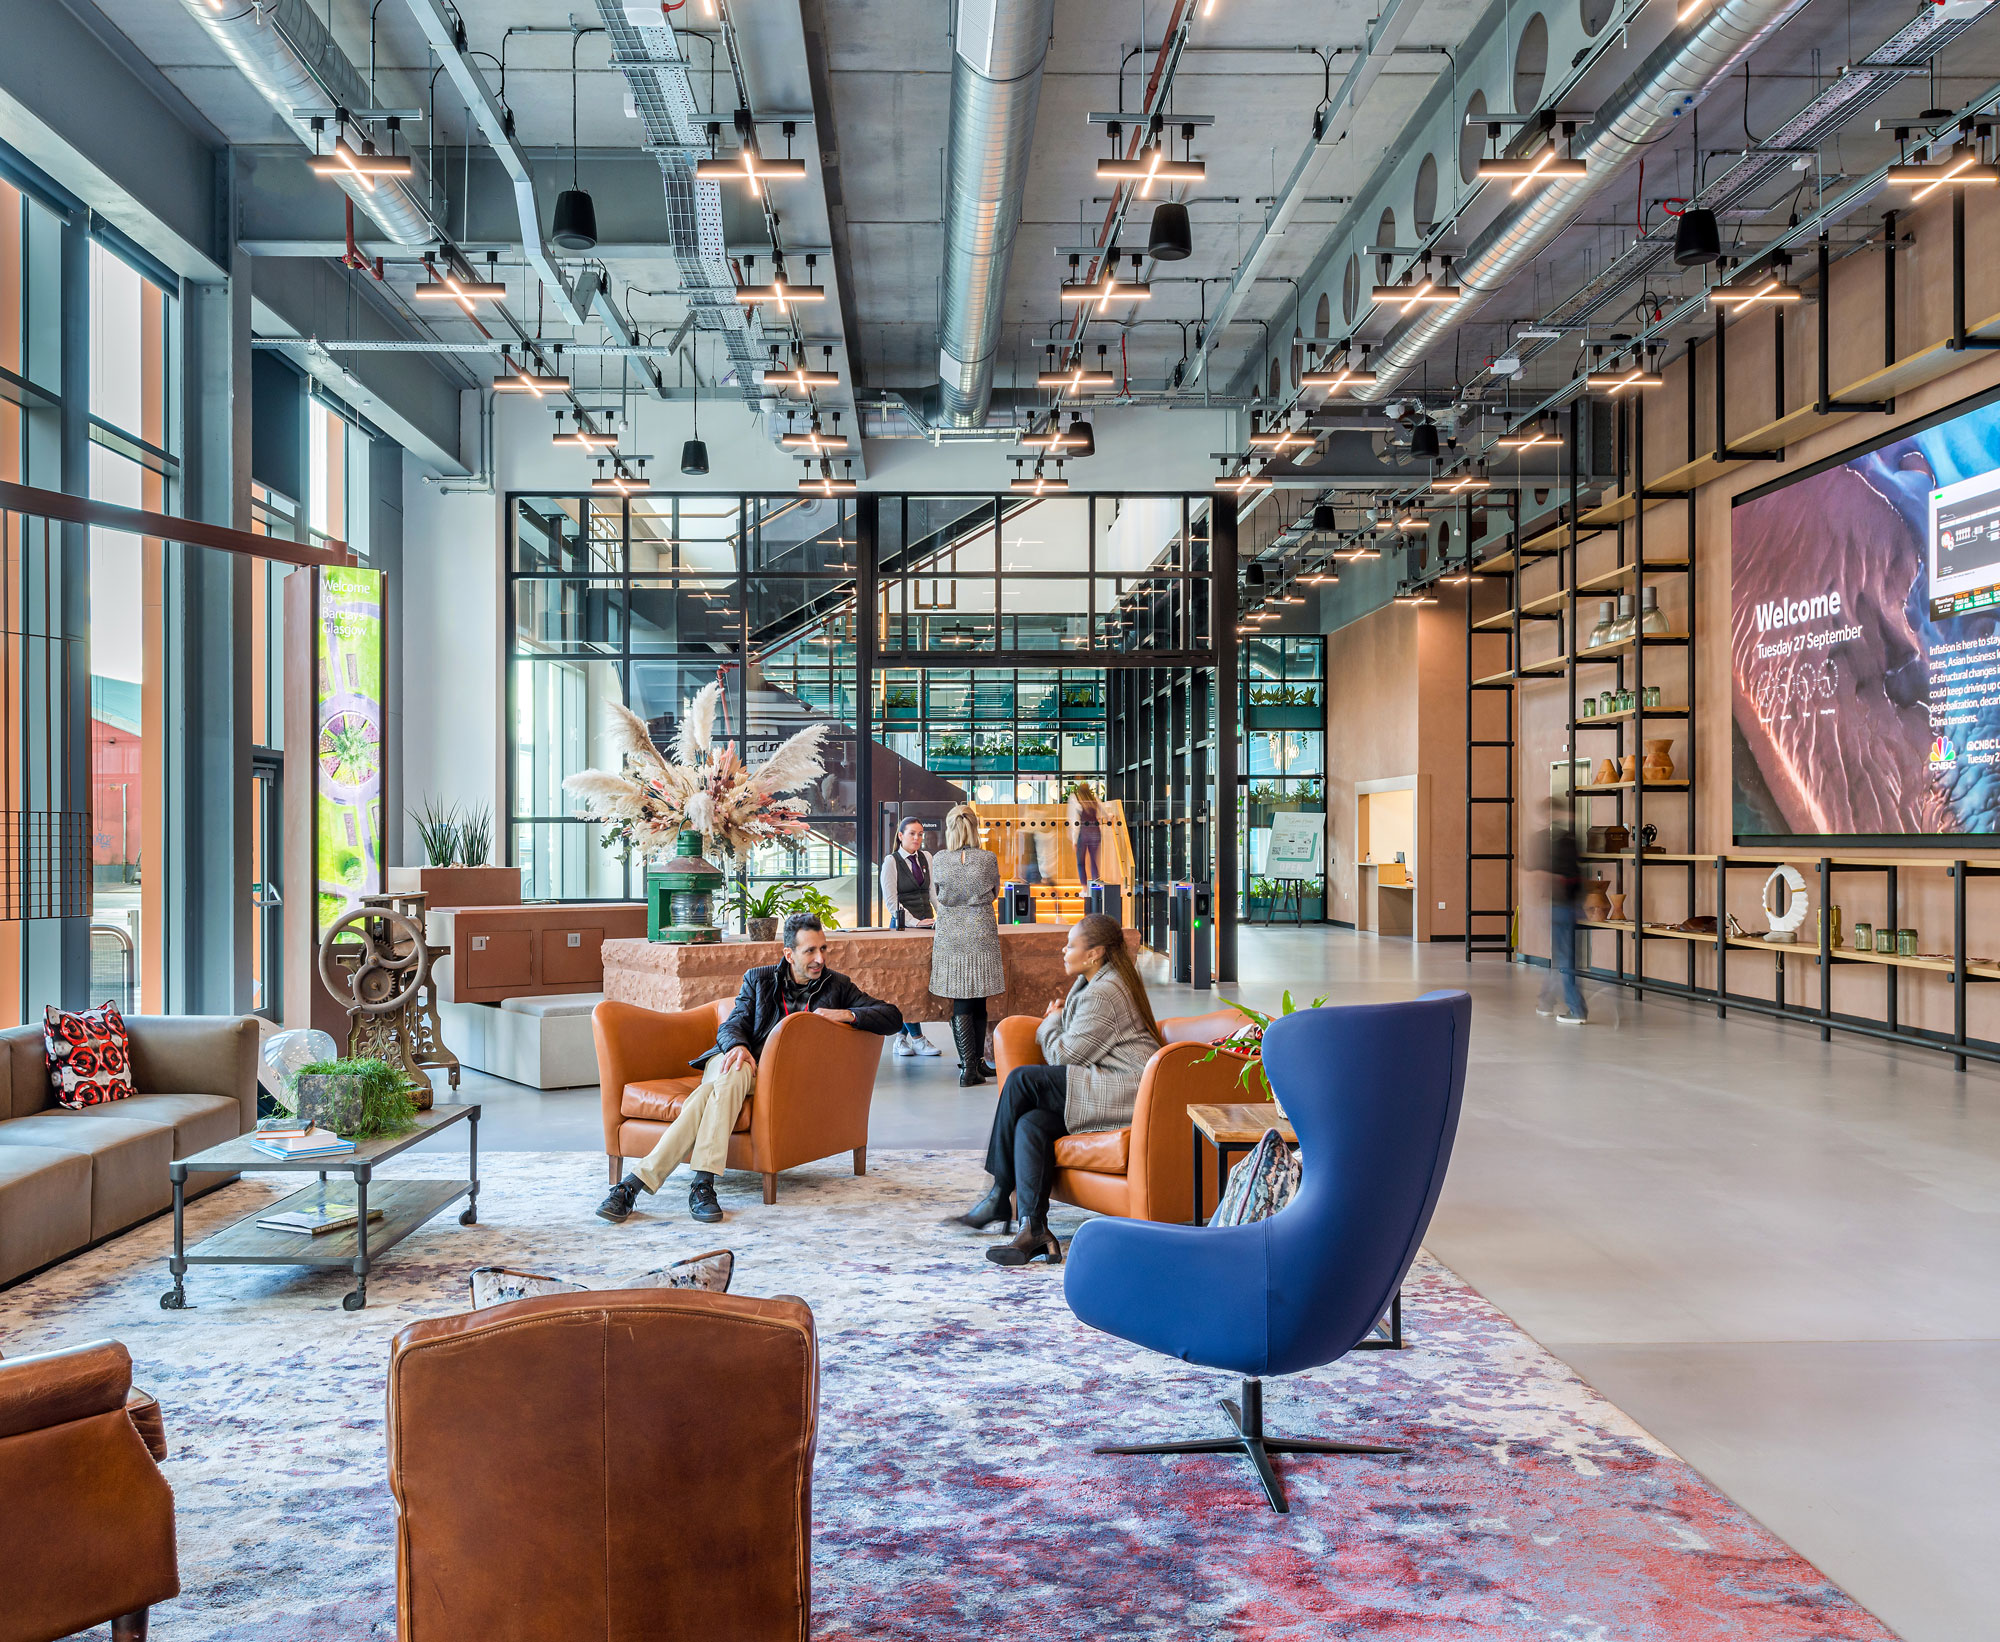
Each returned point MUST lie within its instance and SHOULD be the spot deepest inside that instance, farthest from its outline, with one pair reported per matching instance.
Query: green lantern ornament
(680, 896)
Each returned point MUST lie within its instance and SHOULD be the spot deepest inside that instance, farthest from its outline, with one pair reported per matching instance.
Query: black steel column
(1222, 633)
(866, 519)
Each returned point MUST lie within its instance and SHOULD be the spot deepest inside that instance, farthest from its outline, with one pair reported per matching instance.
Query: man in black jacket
(699, 1134)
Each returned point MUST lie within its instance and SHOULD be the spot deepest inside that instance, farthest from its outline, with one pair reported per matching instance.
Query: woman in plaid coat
(1096, 1041)
(965, 945)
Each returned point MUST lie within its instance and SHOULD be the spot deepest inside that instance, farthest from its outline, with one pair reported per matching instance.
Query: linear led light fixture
(1038, 483)
(797, 376)
(583, 438)
(1412, 518)
(1107, 288)
(1462, 483)
(1154, 162)
(1416, 595)
(814, 439)
(448, 287)
(363, 166)
(1530, 438)
(1338, 377)
(1286, 598)
(1364, 550)
(747, 165)
(1241, 482)
(1961, 168)
(520, 379)
(824, 483)
(618, 482)
(1320, 578)
(1621, 377)
(1075, 379)
(1743, 296)
(1421, 292)
(1279, 438)
(780, 294)
(1552, 162)
(1079, 438)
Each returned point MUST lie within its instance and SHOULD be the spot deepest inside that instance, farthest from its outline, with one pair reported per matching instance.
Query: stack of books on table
(315, 1218)
(299, 1140)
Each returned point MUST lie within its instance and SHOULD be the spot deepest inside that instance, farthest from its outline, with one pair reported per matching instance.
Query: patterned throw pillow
(496, 1285)
(1260, 1185)
(89, 1055)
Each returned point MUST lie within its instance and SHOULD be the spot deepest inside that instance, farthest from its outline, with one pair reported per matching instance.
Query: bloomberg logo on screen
(1790, 612)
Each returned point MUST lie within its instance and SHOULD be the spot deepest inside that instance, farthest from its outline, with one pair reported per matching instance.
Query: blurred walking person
(1564, 872)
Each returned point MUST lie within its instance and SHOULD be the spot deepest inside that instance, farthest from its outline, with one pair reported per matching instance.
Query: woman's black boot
(996, 1207)
(966, 1034)
(1034, 1241)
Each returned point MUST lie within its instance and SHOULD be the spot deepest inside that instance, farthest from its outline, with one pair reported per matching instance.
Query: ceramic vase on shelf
(1596, 900)
(1628, 767)
(1659, 759)
(1617, 900)
(1607, 773)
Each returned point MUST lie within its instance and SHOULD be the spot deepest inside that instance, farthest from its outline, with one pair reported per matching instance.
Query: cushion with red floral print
(89, 1055)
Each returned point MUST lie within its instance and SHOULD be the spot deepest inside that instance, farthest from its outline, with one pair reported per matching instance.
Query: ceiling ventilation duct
(287, 54)
(996, 84)
(1681, 71)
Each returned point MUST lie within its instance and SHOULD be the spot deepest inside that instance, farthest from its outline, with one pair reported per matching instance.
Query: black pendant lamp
(694, 454)
(1424, 441)
(575, 225)
(1171, 239)
(1081, 440)
(1697, 239)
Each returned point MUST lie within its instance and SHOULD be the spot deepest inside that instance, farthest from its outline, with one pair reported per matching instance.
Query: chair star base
(1250, 1441)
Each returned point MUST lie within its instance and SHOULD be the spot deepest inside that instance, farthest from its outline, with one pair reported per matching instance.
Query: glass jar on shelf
(1607, 702)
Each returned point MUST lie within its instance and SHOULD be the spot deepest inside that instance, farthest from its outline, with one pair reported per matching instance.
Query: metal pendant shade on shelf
(575, 226)
(1697, 238)
(1171, 239)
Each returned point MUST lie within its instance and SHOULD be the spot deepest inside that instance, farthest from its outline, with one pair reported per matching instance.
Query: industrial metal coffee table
(405, 1205)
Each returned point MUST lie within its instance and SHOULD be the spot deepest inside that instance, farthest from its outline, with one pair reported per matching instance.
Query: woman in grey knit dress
(965, 945)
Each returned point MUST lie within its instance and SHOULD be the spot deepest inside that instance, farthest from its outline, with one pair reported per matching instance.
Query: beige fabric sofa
(69, 1178)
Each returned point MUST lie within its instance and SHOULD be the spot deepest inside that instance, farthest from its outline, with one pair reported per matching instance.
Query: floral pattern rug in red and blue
(956, 1495)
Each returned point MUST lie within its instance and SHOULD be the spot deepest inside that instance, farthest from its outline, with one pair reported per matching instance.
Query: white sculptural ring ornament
(1785, 925)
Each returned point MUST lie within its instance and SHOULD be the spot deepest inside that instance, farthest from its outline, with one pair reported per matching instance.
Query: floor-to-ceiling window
(131, 350)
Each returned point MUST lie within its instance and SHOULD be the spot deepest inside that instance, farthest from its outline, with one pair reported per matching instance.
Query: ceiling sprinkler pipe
(1679, 73)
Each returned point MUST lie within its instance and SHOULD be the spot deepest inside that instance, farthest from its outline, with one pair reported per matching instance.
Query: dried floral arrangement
(704, 787)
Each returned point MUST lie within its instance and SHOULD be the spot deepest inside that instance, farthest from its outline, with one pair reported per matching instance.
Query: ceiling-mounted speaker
(1080, 430)
(1424, 441)
(575, 227)
(1696, 237)
(1172, 238)
(694, 459)
(1324, 520)
(1253, 574)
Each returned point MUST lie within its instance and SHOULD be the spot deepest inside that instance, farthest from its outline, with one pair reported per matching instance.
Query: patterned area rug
(956, 1495)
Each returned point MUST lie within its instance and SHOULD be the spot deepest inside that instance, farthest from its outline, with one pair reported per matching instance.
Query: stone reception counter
(894, 965)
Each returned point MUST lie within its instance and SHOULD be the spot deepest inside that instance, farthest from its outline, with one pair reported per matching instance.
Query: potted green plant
(951, 753)
(994, 752)
(1285, 707)
(357, 1099)
(456, 844)
(900, 701)
(763, 910)
(1246, 1043)
(1037, 752)
(1079, 700)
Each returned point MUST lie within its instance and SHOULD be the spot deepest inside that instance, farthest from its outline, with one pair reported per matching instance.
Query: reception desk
(1388, 900)
(893, 965)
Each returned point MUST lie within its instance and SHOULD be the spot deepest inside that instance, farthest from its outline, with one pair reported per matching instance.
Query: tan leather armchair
(96, 1517)
(815, 1080)
(1145, 1172)
(591, 1467)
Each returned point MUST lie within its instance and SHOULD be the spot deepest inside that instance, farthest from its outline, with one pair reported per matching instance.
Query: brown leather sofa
(590, 1467)
(1145, 1172)
(69, 1178)
(95, 1516)
(815, 1080)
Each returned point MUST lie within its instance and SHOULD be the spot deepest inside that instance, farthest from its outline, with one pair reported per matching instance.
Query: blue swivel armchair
(1373, 1092)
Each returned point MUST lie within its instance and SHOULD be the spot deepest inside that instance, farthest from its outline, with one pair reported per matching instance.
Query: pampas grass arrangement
(704, 787)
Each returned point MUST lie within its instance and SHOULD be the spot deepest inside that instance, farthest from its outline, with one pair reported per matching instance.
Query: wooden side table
(1237, 1128)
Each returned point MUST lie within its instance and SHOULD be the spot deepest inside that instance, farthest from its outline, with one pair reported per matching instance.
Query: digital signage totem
(1865, 643)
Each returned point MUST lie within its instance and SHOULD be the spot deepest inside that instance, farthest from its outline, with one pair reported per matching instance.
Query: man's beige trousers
(700, 1134)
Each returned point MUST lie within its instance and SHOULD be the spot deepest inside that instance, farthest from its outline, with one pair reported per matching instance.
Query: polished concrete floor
(1776, 1254)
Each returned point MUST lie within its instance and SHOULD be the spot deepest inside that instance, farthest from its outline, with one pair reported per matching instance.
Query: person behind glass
(699, 1133)
(906, 889)
(1086, 830)
(1564, 871)
(1097, 1041)
(965, 945)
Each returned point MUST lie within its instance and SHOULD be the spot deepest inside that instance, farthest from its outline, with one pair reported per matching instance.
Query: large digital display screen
(1865, 643)
(347, 807)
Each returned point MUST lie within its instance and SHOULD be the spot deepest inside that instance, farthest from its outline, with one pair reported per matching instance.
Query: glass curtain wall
(1000, 626)
(642, 601)
(1282, 712)
(131, 412)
